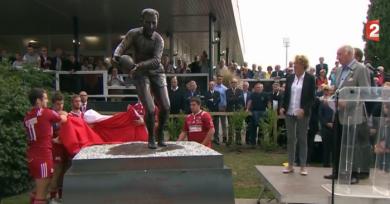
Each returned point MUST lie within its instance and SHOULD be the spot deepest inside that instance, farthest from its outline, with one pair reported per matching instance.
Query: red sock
(53, 194)
(60, 192)
(32, 197)
(40, 201)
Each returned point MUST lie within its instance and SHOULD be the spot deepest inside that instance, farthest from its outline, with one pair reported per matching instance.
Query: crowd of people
(301, 100)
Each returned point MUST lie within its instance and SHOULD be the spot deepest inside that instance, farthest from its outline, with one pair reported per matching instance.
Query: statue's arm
(124, 44)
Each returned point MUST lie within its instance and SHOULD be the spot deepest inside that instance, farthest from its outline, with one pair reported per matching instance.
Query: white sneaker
(55, 201)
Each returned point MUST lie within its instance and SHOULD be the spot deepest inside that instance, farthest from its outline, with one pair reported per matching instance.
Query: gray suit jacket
(358, 76)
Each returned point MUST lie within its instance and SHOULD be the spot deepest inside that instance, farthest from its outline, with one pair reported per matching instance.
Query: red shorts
(40, 168)
(60, 155)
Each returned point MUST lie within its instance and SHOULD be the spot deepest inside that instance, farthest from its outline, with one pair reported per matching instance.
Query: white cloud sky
(315, 28)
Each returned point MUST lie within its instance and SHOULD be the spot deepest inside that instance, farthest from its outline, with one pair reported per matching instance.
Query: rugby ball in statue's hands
(126, 63)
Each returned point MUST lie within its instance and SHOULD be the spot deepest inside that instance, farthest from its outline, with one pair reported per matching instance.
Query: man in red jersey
(198, 125)
(39, 128)
(61, 158)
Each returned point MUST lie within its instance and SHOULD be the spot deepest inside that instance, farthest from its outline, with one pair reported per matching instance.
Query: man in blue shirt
(219, 87)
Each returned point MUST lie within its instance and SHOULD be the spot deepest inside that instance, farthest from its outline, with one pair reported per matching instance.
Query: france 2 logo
(372, 30)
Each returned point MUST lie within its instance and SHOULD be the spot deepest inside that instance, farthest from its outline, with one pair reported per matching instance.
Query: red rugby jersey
(39, 128)
(197, 125)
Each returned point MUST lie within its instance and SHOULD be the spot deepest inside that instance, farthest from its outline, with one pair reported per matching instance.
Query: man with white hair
(351, 74)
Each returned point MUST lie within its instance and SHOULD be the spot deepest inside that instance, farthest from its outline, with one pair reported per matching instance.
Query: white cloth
(296, 93)
(91, 116)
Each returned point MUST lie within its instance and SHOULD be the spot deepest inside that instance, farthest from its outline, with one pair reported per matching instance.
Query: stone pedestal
(183, 172)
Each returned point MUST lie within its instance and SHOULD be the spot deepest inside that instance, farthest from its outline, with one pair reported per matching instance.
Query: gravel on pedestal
(140, 149)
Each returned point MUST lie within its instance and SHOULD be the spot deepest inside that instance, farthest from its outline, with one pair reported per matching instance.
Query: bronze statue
(147, 71)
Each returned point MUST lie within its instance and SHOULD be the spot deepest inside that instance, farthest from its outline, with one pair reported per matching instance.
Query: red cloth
(76, 134)
(121, 128)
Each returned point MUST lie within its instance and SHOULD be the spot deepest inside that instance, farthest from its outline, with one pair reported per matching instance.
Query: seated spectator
(245, 72)
(311, 71)
(58, 60)
(100, 66)
(91, 61)
(269, 72)
(31, 57)
(3, 56)
(18, 63)
(260, 74)
(204, 62)
(70, 64)
(221, 67)
(45, 59)
(195, 66)
(168, 67)
(86, 66)
(277, 73)
(253, 73)
(321, 79)
(192, 92)
(332, 76)
(114, 79)
(290, 69)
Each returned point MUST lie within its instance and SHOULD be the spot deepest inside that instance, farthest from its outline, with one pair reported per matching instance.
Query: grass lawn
(241, 161)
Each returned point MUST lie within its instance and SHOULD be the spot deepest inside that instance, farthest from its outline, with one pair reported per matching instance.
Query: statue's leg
(160, 93)
(142, 84)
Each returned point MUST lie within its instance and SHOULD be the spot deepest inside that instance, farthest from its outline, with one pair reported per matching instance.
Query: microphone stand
(336, 129)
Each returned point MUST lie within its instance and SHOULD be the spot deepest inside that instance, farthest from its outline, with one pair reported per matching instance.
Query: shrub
(14, 86)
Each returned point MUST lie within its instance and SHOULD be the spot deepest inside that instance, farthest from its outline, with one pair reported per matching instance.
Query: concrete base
(313, 188)
(93, 179)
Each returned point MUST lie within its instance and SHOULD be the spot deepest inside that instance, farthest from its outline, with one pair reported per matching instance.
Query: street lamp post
(286, 44)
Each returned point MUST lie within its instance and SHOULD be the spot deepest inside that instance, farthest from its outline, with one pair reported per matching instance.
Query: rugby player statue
(147, 72)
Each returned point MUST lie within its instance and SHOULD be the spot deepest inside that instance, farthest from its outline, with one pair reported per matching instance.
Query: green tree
(379, 52)
(14, 86)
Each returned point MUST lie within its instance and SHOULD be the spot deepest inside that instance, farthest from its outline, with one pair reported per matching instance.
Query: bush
(268, 127)
(14, 86)
(175, 125)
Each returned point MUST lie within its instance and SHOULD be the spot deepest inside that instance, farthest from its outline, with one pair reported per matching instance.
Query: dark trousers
(361, 161)
(248, 129)
(256, 116)
(327, 135)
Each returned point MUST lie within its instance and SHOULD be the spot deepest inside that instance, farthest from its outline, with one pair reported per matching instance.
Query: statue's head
(149, 21)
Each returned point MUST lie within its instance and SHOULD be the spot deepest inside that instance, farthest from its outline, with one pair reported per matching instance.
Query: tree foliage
(379, 52)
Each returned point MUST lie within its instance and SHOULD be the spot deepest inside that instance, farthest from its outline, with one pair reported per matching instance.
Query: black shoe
(354, 180)
(161, 142)
(215, 142)
(330, 176)
(224, 140)
(152, 145)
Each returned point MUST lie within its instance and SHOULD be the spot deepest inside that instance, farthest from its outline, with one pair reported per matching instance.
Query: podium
(364, 118)
(182, 172)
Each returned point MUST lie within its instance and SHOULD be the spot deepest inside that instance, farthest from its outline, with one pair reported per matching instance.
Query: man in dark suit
(246, 95)
(235, 102)
(212, 99)
(58, 60)
(277, 73)
(320, 66)
(195, 66)
(176, 97)
(191, 92)
(84, 102)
